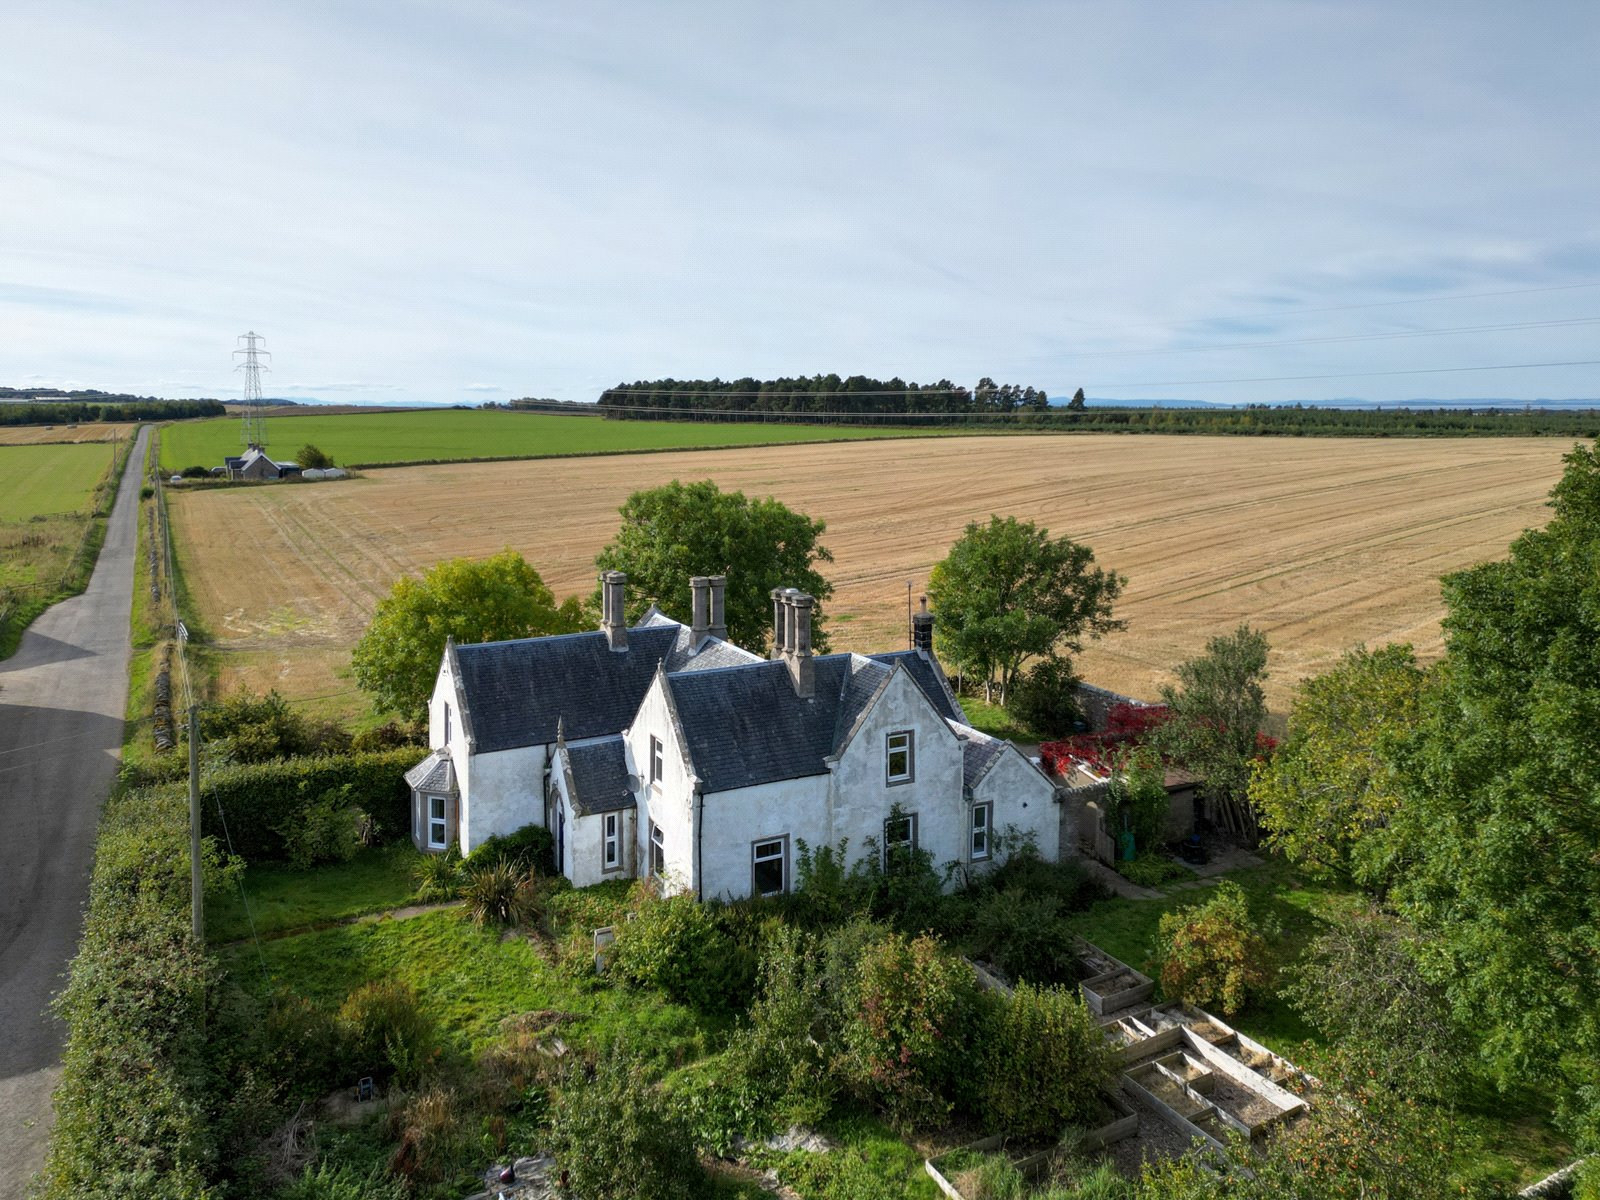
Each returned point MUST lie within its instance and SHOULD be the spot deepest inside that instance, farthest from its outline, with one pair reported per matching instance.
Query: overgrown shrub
(391, 735)
(303, 1044)
(196, 472)
(1046, 699)
(1025, 934)
(438, 876)
(781, 1054)
(906, 1046)
(386, 1033)
(259, 800)
(501, 892)
(678, 946)
(617, 1137)
(1212, 954)
(532, 846)
(250, 729)
(1044, 1062)
(1137, 799)
(1151, 870)
(430, 1135)
(329, 829)
(328, 1181)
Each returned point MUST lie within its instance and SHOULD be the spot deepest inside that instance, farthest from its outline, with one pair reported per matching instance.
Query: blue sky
(482, 200)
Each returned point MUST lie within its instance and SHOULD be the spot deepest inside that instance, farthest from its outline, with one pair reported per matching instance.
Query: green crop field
(38, 480)
(446, 435)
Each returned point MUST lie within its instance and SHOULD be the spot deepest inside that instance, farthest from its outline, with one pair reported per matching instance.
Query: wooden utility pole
(196, 881)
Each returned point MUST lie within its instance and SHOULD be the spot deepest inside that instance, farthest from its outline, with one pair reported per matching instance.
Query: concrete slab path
(62, 697)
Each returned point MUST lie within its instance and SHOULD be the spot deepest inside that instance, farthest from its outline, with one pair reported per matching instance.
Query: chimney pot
(780, 623)
(719, 622)
(615, 624)
(700, 620)
(922, 630)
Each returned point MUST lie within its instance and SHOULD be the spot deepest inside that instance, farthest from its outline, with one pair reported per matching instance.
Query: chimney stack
(801, 669)
(612, 620)
(922, 630)
(719, 622)
(780, 623)
(700, 620)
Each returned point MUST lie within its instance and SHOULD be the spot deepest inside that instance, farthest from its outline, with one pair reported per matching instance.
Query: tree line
(112, 408)
(831, 397)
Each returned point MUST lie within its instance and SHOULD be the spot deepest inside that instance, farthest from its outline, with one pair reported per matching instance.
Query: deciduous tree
(1008, 592)
(679, 530)
(484, 600)
(1215, 728)
(1327, 795)
(1500, 816)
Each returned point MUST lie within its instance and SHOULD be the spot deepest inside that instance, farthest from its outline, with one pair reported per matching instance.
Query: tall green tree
(1328, 795)
(483, 600)
(1008, 592)
(1077, 403)
(1217, 710)
(1499, 824)
(678, 530)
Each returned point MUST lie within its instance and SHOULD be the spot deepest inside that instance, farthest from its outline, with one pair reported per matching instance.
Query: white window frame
(447, 722)
(980, 837)
(440, 823)
(908, 748)
(658, 843)
(611, 842)
(757, 859)
(890, 843)
(657, 760)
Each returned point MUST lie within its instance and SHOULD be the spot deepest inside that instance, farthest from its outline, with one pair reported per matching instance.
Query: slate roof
(516, 692)
(598, 773)
(745, 726)
(929, 679)
(978, 753)
(436, 773)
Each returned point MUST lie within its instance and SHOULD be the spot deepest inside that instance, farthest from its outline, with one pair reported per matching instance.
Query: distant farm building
(254, 464)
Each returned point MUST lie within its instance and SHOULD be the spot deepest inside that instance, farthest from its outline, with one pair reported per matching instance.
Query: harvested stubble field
(1324, 544)
(93, 431)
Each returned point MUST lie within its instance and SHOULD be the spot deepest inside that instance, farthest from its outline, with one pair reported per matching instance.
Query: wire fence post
(196, 881)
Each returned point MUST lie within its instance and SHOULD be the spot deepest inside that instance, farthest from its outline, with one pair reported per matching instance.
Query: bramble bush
(905, 1047)
(1212, 954)
(385, 1032)
(617, 1137)
(679, 946)
(1044, 1062)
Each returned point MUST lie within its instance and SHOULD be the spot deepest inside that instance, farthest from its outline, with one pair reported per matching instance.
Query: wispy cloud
(627, 190)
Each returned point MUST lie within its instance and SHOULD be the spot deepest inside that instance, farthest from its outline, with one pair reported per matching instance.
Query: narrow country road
(62, 697)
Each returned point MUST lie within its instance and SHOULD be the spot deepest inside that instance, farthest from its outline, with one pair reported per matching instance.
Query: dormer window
(898, 757)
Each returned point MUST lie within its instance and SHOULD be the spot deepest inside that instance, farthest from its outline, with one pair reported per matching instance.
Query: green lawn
(283, 898)
(39, 480)
(454, 434)
(469, 978)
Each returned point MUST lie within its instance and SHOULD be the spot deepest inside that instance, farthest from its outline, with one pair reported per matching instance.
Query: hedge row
(134, 1112)
(260, 799)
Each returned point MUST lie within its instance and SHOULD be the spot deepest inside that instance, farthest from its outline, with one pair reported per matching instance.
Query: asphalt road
(62, 697)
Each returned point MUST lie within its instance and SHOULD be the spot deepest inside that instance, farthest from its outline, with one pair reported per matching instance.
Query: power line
(1354, 375)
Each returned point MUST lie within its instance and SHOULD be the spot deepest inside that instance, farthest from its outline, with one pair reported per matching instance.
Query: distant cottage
(254, 464)
(665, 750)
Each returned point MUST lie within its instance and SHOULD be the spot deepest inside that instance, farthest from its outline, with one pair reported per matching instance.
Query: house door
(561, 838)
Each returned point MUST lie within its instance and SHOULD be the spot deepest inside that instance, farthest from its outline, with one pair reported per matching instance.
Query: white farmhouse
(666, 750)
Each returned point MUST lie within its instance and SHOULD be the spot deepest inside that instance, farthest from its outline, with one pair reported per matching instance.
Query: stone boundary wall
(1096, 704)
